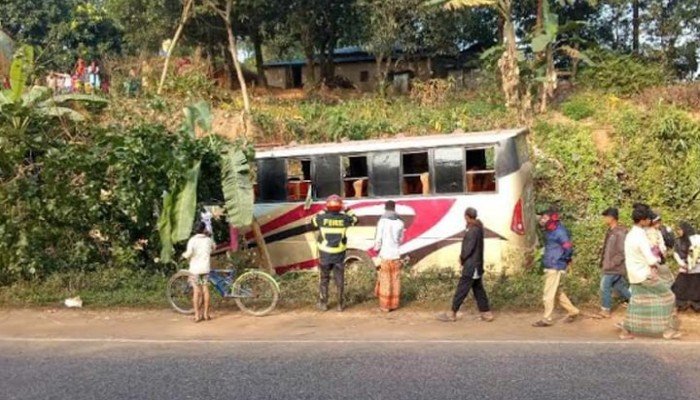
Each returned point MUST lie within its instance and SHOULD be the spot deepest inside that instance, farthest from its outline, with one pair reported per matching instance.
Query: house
(359, 67)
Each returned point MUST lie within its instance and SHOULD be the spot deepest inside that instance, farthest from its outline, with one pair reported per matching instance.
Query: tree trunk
(259, 62)
(501, 23)
(233, 49)
(508, 65)
(380, 74)
(538, 22)
(228, 66)
(635, 26)
(262, 247)
(183, 19)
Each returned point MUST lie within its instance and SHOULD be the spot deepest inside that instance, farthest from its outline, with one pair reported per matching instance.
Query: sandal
(626, 335)
(571, 318)
(446, 318)
(486, 317)
(198, 320)
(542, 324)
(672, 335)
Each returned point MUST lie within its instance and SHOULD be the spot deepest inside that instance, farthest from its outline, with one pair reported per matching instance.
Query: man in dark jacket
(472, 260)
(332, 227)
(558, 252)
(612, 262)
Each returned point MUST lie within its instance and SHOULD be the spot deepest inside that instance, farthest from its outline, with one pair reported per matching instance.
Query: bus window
(326, 176)
(355, 176)
(385, 173)
(298, 178)
(481, 172)
(416, 175)
(271, 180)
(448, 165)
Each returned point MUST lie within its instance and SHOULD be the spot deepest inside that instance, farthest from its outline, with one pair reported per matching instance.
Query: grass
(299, 289)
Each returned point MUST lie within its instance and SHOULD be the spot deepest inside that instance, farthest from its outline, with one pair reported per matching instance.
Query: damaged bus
(432, 179)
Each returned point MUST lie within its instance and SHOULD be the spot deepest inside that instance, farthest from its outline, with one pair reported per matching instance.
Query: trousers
(339, 278)
(466, 283)
(553, 293)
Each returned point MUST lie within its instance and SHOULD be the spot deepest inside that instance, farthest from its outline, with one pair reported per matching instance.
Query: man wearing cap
(612, 262)
(472, 259)
(558, 252)
(332, 225)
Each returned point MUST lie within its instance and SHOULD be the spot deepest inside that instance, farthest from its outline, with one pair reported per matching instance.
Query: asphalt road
(344, 370)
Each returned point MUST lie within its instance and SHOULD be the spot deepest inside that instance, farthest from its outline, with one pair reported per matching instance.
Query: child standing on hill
(198, 252)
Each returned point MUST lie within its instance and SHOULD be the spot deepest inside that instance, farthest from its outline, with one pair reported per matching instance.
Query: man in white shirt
(198, 253)
(650, 311)
(388, 238)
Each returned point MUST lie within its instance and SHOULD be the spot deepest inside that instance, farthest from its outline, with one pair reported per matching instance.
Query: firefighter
(332, 225)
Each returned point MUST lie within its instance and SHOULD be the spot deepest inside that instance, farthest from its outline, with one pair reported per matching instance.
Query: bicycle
(255, 292)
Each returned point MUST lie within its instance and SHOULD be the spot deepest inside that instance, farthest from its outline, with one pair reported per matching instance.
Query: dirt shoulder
(302, 325)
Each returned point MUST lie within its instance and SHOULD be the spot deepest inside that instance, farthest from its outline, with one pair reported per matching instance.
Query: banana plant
(546, 42)
(508, 62)
(180, 203)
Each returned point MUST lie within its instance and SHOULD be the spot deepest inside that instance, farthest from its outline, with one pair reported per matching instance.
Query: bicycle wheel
(256, 293)
(179, 293)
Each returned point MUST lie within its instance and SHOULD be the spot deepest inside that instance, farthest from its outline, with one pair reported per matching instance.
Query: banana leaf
(198, 115)
(21, 68)
(63, 112)
(237, 186)
(35, 95)
(185, 206)
(83, 98)
(165, 229)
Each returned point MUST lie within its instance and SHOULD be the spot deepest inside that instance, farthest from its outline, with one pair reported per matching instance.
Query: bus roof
(396, 143)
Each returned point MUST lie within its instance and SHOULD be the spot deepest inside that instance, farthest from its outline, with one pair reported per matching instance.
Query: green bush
(578, 108)
(622, 74)
(82, 198)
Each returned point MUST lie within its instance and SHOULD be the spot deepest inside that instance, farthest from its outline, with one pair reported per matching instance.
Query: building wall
(278, 77)
(281, 76)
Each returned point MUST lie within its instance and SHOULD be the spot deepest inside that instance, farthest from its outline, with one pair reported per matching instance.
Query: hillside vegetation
(81, 218)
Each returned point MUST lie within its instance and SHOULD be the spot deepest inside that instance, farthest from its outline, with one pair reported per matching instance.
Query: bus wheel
(357, 259)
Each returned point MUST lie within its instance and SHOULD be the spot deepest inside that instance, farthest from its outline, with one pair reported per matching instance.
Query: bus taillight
(517, 225)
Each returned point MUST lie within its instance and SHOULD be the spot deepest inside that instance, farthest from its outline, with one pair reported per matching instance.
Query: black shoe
(322, 306)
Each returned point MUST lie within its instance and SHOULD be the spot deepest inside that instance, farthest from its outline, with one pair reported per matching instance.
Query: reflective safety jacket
(332, 241)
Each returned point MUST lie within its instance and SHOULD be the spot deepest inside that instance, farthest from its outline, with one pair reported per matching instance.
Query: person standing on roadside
(613, 262)
(558, 253)
(198, 253)
(332, 244)
(650, 311)
(472, 260)
(387, 241)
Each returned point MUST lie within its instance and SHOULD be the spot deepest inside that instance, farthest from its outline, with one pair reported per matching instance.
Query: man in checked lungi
(650, 310)
(388, 238)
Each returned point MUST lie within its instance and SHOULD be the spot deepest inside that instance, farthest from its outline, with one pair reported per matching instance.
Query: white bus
(432, 179)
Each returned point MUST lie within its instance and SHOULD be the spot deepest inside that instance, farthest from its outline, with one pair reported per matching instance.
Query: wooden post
(262, 247)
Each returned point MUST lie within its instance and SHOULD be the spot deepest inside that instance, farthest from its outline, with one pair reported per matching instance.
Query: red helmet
(334, 203)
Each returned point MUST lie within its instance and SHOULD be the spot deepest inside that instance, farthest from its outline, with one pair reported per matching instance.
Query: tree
(321, 26)
(187, 9)
(144, 23)
(508, 62)
(225, 11)
(63, 29)
(674, 28)
(385, 21)
(258, 20)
